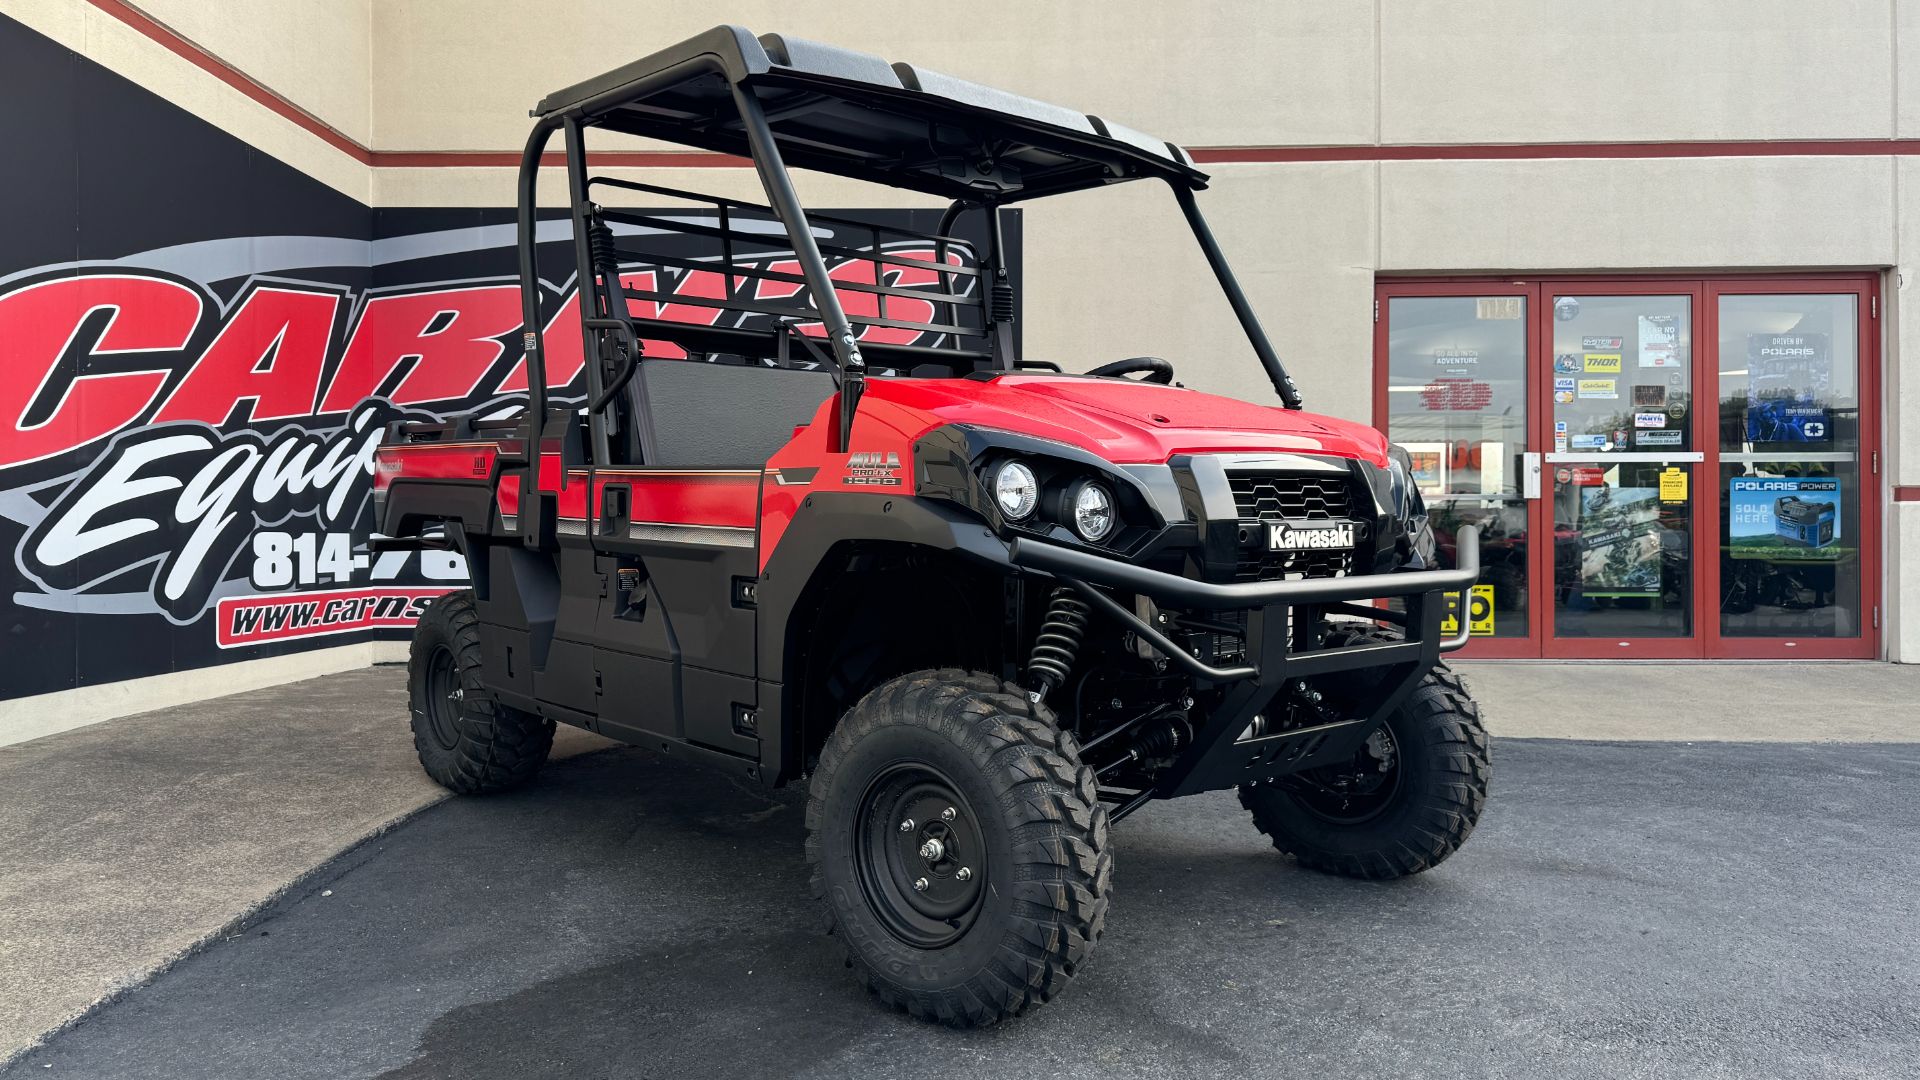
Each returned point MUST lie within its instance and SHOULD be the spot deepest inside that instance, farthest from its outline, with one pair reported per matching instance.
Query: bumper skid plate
(1219, 757)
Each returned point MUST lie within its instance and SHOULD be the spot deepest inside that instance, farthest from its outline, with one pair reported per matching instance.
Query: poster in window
(1660, 342)
(1789, 379)
(1620, 541)
(1784, 518)
(1429, 470)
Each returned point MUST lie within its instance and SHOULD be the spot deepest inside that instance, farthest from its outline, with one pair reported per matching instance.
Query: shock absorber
(1057, 645)
(605, 256)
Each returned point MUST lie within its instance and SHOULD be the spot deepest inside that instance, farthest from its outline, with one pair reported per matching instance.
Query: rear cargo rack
(869, 262)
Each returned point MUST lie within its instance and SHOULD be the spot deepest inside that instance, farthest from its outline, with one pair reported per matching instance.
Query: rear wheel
(468, 742)
(1408, 798)
(959, 847)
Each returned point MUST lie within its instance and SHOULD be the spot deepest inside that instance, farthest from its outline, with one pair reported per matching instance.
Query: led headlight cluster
(1088, 507)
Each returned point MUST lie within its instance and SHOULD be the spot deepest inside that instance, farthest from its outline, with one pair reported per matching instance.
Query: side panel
(675, 636)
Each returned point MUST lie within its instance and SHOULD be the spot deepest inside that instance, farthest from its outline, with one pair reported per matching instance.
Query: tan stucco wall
(316, 53)
(1634, 70)
(1302, 71)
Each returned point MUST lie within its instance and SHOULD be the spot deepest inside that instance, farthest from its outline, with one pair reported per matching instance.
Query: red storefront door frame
(1705, 293)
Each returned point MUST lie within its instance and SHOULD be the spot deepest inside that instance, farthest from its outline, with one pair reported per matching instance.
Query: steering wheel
(1158, 370)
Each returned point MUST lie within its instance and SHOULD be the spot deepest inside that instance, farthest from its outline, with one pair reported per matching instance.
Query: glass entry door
(1622, 472)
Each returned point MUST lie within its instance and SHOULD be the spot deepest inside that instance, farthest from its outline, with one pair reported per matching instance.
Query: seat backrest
(703, 415)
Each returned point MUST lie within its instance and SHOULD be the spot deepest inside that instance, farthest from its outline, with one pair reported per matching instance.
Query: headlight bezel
(958, 463)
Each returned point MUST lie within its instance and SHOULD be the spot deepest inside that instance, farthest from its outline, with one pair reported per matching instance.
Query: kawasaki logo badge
(1309, 535)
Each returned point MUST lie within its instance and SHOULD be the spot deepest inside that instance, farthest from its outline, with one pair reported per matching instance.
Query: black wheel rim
(443, 712)
(925, 880)
(1353, 791)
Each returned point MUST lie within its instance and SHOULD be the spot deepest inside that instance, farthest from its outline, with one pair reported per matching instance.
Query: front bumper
(1220, 757)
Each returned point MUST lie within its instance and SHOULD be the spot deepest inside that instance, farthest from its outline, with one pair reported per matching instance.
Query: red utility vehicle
(823, 523)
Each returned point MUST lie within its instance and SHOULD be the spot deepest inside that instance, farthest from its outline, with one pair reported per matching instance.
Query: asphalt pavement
(1626, 909)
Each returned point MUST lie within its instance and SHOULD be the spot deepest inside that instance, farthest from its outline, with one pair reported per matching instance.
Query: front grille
(1260, 498)
(1301, 498)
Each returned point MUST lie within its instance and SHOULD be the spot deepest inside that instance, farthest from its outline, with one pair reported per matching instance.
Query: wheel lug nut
(965, 873)
(920, 885)
(907, 825)
(932, 850)
(949, 814)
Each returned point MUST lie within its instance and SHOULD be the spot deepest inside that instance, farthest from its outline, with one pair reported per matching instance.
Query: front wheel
(959, 847)
(1408, 798)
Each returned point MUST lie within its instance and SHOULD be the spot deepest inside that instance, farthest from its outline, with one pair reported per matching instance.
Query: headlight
(1092, 512)
(1015, 489)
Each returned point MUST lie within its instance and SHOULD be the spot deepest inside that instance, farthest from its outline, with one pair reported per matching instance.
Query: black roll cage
(707, 93)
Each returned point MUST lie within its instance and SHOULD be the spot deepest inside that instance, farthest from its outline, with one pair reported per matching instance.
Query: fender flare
(824, 521)
(828, 519)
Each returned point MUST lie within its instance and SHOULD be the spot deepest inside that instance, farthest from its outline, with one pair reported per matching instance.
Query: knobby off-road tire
(467, 742)
(1417, 817)
(1026, 826)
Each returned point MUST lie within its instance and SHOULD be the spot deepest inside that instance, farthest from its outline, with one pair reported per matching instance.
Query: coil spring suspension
(1057, 645)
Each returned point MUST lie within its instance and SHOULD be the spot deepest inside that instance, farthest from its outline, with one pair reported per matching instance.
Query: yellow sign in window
(1673, 485)
(1604, 363)
(1479, 613)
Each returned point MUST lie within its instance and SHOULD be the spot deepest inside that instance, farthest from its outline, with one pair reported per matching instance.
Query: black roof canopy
(853, 114)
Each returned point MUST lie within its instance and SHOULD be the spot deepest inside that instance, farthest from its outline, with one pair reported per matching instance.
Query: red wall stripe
(1906, 494)
(235, 78)
(510, 159)
(1221, 155)
(1529, 151)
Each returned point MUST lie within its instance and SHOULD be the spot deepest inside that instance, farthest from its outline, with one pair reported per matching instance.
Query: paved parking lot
(1625, 910)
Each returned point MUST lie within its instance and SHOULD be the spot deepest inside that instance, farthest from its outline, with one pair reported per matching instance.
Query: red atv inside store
(835, 529)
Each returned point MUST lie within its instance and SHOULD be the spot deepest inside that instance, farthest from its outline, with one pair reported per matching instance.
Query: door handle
(616, 501)
(1530, 475)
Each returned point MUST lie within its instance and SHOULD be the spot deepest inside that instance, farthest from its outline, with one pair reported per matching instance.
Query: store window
(1790, 475)
(1623, 511)
(1457, 401)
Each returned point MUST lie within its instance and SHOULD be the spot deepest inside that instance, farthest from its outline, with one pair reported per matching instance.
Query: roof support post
(592, 305)
(536, 414)
(999, 286)
(786, 202)
(1249, 322)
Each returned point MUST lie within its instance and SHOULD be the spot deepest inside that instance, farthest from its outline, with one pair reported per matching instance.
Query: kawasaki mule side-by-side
(808, 515)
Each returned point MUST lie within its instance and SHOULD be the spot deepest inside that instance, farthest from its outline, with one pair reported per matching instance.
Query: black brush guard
(1220, 757)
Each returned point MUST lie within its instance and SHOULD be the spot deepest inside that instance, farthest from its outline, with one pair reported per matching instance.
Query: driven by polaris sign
(1309, 535)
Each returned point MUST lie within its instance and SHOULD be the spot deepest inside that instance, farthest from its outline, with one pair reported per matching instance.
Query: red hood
(1123, 422)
